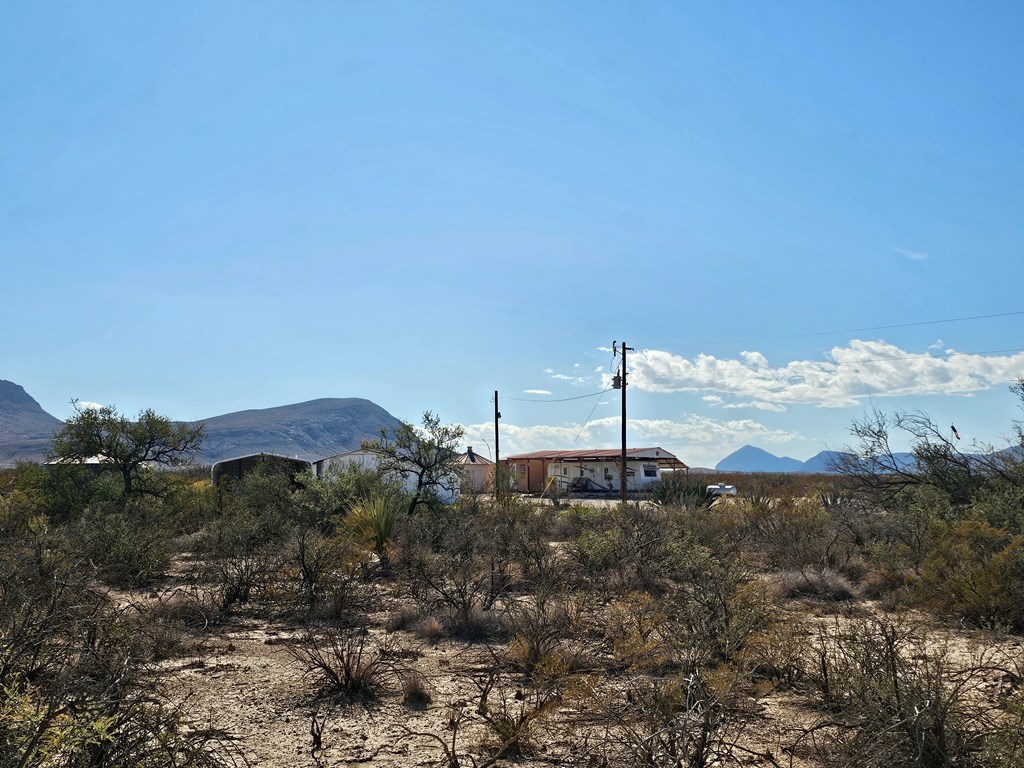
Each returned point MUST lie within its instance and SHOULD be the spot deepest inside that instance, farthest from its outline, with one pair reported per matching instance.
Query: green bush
(125, 548)
(976, 573)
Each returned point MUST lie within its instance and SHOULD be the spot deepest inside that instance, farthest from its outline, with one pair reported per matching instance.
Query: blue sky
(208, 207)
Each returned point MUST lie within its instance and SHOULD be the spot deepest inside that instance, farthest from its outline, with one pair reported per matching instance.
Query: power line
(932, 357)
(589, 417)
(562, 400)
(858, 330)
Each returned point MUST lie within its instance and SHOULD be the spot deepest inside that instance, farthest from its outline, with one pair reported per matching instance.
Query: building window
(650, 470)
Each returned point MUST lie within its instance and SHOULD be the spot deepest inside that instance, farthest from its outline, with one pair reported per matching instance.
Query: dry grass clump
(415, 690)
(347, 662)
(172, 624)
(825, 585)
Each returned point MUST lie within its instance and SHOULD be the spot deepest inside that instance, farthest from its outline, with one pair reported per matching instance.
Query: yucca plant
(372, 522)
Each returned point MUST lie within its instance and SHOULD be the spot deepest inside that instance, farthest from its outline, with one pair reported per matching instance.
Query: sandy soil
(246, 684)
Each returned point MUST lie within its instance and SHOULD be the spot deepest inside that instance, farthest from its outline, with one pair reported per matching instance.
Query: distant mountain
(310, 430)
(825, 462)
(25, 428)
(751, 459)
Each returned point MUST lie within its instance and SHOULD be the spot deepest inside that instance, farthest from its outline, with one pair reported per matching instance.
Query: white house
(474, 472)
(590, 470)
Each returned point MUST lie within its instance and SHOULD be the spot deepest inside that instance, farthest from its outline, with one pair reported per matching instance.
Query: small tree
(426, 454)
(125, 446)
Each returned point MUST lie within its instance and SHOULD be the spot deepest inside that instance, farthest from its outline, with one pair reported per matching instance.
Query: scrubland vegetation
(867, 619)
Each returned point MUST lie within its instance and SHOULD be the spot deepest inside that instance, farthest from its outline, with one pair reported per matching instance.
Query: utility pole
(497, 456)
(619, 382)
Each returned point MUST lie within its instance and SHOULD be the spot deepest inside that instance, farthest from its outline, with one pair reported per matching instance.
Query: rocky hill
(310, 430)
(25, 428)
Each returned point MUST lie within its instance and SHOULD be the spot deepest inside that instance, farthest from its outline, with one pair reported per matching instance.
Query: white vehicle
(721, 490)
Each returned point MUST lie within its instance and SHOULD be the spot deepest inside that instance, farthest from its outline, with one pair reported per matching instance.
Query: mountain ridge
(310, 430)
(26, 430)
(752, 459)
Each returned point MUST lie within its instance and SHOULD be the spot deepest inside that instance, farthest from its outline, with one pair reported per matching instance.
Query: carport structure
(237, 467)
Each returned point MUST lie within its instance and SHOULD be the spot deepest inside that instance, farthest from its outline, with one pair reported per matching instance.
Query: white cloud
(859, 370)
(712, 399)
(536, 391)
(87, 405)
(936, 345)
(912, 255)
(575, 380)
(760, 405)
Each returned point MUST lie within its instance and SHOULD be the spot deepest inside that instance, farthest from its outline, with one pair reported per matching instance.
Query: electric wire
(561, 400)
(946, 355)
(589, 417)
(858, 330)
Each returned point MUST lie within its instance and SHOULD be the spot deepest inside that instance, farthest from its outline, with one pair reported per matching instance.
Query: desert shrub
(635, 630)
(347, 662)
(246, 547)
(1000, 503)
(911, 526)
(720, 528)
(682, 721)
(1004, 742)
(172, 624)
(512, 716)
(455, 563)
(73, 691)
(594, 555)
(125, 548)
(716, 607)
(976, 572)
(794, 533)
(415, 690)
(574, 519)
(69, 488)
(525, 540)
(633, 547)
(896, 699)
(703, 621)
(779, 653)
(21, 498)
(514, 713)
(824, 584)
(324, 572)
(193, 503)
(541, 632)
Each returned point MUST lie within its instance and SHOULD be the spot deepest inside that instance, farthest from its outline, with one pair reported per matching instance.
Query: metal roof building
(589, 469)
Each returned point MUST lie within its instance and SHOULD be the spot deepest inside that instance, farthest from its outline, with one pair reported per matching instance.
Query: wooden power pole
(620, 383)
(498, 480)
